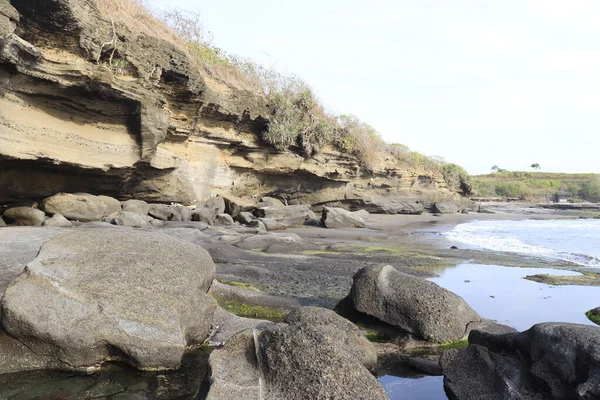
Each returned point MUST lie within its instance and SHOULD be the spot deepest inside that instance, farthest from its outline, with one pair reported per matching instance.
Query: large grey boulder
(270, 224)
(25, 216)
(272, 242)
(112, 205)
(333, 217)
(164, 212)
(245, 217)
(2, 223)
(392, 205)
(58, 220)
(101, 294)
(290, 216)
(235, 205)
(136, 206)
(129, 218)
(225, 325)
(77, 207)
(445, 207)
(343, 332)
(412, 304)
(208, 211)
(224, 219)
(548, 361)
(292, 361)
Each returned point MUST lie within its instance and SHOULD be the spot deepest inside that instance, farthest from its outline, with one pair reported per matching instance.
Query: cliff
(155, 127)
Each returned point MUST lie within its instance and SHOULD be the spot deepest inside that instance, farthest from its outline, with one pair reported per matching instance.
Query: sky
(479, 83)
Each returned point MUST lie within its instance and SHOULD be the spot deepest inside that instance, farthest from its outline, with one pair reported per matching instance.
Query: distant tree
(495, 168)
(535, 166)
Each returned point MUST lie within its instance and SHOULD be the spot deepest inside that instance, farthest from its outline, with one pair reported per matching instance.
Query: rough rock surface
(270, 224)
(445, 207)
(82, 207)
(413, 304)
(289, 216)
(245, 217)
(548, 361)
(225, 325)
(57, 220)
(136, 206)
(332, 217)
(96, 294)
(164, 212)
(2, 223)
(224, 219)
(292, 362)
(25, 216)
(390, 205)
(272, 242)
(128, 218)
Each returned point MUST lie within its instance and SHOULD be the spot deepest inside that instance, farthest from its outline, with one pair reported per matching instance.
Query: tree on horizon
(535, 166)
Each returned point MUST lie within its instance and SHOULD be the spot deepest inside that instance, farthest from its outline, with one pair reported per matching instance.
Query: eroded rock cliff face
(158, 128)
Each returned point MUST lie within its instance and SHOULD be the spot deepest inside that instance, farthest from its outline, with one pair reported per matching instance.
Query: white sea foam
(576, 241)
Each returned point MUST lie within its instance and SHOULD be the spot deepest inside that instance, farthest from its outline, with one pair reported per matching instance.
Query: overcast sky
(480, 83)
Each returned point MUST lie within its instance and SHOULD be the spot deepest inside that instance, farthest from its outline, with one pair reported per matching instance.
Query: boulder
(412, 304)
(164, 212)
(57, 220)
(2, 223)
(445, 207)
(245, 218)
(184, 212)
(292, 362)
(235, 205)
(102, 294)
(136, 206)
(392, 205)
(225, 325)
(343, 332)
(207, 216)
(25, 216)
(271, 242)
(224, 219)
(332, 217)
(270, 224)
(112, 205)
(77, 207)
(216, 203)
(290, 216)
(129, 218)
(364, 214)
(270, 202)
(548, 361)
(312, 219)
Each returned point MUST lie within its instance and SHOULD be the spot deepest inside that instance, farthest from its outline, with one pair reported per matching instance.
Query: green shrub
(590, 191)
(513, 189)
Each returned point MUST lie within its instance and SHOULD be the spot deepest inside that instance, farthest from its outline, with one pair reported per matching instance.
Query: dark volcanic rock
(97, 294)
(332, 217)
(548, 361)
(413, 304)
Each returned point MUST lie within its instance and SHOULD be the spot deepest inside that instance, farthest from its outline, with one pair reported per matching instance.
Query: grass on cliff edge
(298, 121)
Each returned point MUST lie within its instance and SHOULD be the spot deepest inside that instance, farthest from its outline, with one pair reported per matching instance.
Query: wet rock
(339, 218)
(164, 212)
(245, 217)
(95, 294)
(57, 220)
(136, 206)
(25, 216)
(129, 218)
(78, 207)
(548, 361)
(290, 216)
(445, 207)
(343, 332)
(410, 303)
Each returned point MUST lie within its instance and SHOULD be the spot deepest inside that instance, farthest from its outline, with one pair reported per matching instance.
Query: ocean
(576, 241)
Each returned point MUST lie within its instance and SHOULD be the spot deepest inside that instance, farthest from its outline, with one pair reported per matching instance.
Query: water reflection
(428, 387)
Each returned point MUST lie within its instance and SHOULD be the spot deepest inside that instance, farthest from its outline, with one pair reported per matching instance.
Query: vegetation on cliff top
(298, 119)
(537, 185)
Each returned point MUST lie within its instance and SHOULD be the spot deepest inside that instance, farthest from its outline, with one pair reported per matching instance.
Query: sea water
(576, 241)
(501, 293)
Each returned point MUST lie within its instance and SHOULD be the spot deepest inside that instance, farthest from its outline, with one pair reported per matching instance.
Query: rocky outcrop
(309, 358)
(91, 105)
(412, 304)
(25, 216)
(103, 294)
(79, 207)
(445, 207)
(332, 217)
(548, 361)
(289, 216)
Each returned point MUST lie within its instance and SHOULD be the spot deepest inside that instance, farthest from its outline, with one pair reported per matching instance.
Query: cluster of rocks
(269, 214)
